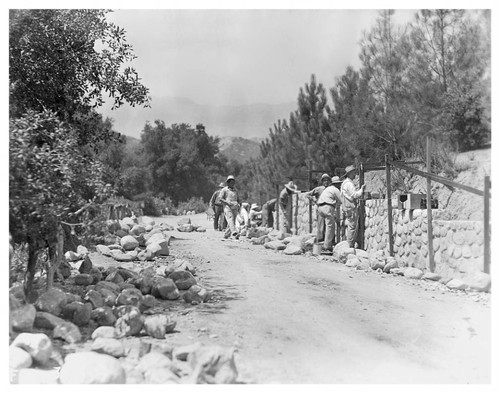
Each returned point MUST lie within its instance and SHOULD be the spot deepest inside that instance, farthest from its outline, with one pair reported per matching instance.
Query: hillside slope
(239, 149)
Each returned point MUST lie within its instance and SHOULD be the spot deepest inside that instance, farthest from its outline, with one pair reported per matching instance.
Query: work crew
(350, 196)
(313, 196)
(268, 209)
(329, 199)
(285, 201)
(217, 207)
(230, 199)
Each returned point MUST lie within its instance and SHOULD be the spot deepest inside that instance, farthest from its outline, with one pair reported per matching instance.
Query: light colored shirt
(349, 194)
(315, 193)
(330, 196)
(229, 195)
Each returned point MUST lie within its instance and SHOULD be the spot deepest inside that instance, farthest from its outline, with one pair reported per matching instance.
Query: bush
(196, 204)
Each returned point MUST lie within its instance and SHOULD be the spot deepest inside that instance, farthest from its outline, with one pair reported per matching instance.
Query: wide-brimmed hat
(325, 176)
(349, 169)
(230, 177)
(291, 186)
(221, 185)
(336, 179)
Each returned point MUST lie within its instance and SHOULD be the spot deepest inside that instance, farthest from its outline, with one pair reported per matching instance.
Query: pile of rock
(34, 360)
(185, 225)
(383, 263)
(280, 241)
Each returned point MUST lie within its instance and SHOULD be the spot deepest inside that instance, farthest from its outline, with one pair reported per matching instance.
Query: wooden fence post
(432, 265)
(361, 224)
(389, 203)
(277, 207)
(486, 230)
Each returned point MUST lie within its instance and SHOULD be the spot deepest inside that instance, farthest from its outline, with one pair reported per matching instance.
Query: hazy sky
(233, 57)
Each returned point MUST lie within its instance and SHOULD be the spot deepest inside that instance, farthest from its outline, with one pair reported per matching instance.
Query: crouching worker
(243, 218)
(230, 199)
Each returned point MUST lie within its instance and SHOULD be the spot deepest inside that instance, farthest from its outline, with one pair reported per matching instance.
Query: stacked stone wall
(458, 245)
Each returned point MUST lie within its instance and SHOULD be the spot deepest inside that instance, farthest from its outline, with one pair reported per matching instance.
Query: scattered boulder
(145, 255)
(341, 246)
(160, 376)
(38, 345)
(96, 275)
(130, 221)
(260, 241)
(361, 253)
(275, 245)
(293, 249)
(431, 276)
(364, 264)
(178, 265)
(109, 285)
(108, 346)
(130, 296)
(456, 284)
(185, 228)
(147, 302)
(115, 277)
(121, 257)
(19, 358)
(182, 279)
(391, 263)
(377, 264)
(165, 288)
(158, 325)
(147, 221)
(45, 320)
(103, 332)
(398, 271)
(94, 298)
(86, 266)
(352, 260)
(182, 352)
(72, 256)
(91, 367)
(213, 364)
(51, 301)
(129, 322)
(137, 230)
(23, 318)
(64, 269)
(196, 295)
(413, 273)
(82, 250)
(479, 281)
(129, 243)
(84, 279)
(68, 331)
(103, 316)
(77, 312)
(200, 229)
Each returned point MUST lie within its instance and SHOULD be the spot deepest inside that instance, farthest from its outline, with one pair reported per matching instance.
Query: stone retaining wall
(458, 245)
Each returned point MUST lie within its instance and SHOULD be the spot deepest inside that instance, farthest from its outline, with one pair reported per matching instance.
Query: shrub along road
(300, 319)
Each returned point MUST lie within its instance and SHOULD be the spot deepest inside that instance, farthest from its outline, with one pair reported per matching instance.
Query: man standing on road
(286, 205)
(217, 207)
(230, 199)
(327, 203)
(268, 209)
(350, 195)
(313, 196)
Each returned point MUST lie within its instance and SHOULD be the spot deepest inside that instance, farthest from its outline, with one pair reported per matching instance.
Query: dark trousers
(267, 216)
(218, 216)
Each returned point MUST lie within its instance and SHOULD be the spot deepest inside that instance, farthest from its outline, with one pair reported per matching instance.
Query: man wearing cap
(327, 202)
(350, 195)
(313, 196)
(217, 207)
(286, 204)
(230, 199)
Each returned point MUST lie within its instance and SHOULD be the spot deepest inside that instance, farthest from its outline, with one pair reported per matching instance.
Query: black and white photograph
(252, 194)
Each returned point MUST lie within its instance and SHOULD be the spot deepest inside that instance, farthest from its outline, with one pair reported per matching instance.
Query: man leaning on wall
(350, 195)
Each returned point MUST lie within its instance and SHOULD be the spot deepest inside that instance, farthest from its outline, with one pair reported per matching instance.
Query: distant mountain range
(233, 147)
(247, 121)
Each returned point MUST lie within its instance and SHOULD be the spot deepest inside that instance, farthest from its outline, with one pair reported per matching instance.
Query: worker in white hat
(313, 196)
(285, 201)
(327, 206)
(230, 199)
(350, 195)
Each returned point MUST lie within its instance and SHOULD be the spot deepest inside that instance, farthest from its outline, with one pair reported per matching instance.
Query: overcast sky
(234, 57)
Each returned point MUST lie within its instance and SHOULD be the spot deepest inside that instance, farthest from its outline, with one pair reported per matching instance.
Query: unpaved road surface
(300, 319)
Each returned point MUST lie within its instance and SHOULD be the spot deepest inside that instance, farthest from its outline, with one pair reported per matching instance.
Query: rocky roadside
(108, 320)
(477, 285)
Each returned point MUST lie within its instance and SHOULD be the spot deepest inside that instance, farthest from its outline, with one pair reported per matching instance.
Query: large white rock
(213, 364)
(414, 273)
(19, 358)
(129, 243)
(153, 360)
(108, 346)
(479, 281)
(155, 238)
(293, 249)
(456, 284)
(129, 221)
(104, 250)
(275, 245)
(91, 368)
(38, 345)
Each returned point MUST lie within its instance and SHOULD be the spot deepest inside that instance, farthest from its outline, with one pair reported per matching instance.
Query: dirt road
(299, 319)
